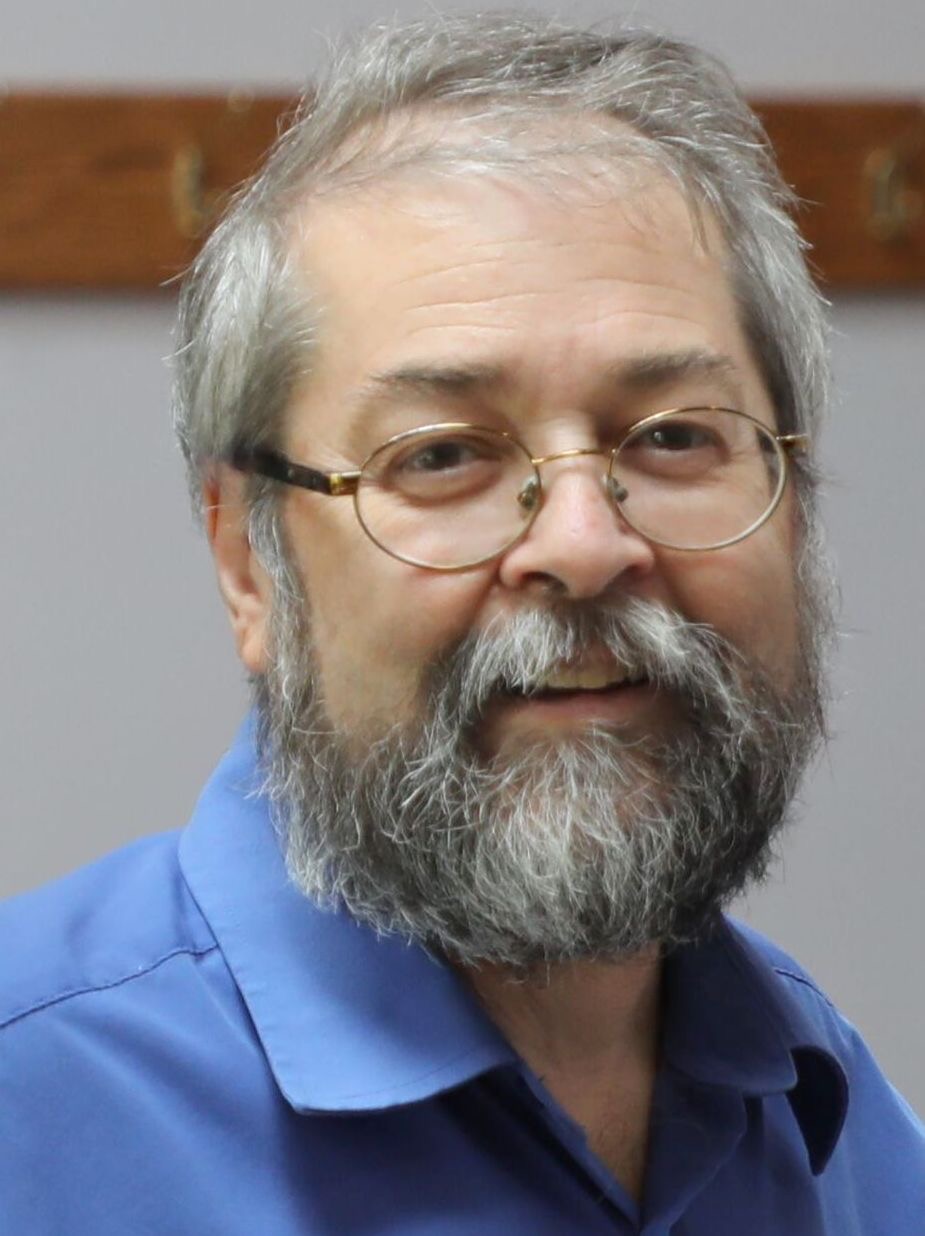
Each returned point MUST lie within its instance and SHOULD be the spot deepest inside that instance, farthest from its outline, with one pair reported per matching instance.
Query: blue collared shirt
(187, 1045)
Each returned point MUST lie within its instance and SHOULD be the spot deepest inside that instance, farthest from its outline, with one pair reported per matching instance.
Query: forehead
(548, 289)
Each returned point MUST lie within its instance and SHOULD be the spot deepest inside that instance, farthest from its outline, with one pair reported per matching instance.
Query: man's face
(561, 321)
(453, 755)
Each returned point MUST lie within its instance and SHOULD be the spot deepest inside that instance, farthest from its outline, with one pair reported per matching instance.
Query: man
(497, 387)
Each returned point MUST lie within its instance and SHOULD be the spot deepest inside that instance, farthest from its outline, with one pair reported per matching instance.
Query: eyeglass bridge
(529, 496)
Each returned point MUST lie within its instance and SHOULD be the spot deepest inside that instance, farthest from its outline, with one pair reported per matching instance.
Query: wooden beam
(858, 167)
(108, 191)
(112, 190)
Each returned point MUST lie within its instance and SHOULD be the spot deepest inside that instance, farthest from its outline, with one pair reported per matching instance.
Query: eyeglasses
(453, 495)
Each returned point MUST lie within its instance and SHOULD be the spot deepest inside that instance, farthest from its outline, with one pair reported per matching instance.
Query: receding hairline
(406, 150)
(544, 141)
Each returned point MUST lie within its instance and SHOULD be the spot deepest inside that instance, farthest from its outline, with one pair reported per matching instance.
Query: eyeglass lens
(698, 479)
(451, 496)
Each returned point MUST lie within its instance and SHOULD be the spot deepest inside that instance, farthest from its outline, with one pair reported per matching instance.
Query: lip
(638, 706)
(613, 702)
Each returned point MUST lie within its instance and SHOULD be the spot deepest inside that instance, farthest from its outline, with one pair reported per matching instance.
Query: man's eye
(439, 457)
(677, 438)
(678, 449)
(443, 468)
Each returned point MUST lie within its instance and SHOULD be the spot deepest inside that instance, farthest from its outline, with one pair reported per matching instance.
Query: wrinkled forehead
(559, 293)
(532, 248)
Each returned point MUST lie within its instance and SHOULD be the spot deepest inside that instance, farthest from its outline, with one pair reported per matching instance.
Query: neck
(576, 1015)
(590, 1032)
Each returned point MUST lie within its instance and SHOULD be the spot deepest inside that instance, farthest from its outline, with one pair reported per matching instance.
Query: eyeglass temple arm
(276, 467)
(794, 443)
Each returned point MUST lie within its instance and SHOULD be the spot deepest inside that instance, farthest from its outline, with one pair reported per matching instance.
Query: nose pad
(616, 491)
(529, 496)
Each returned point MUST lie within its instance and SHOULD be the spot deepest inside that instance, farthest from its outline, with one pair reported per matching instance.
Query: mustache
(515, 654)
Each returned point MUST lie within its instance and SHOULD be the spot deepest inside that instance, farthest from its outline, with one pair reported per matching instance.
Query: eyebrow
(427, 380)
(633, 375)
(646, 372)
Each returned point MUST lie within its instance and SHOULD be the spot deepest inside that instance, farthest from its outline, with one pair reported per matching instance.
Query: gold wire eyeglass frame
(272, 464)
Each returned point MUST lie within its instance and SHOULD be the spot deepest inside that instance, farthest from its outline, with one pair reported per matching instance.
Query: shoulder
(103, 925)
(875, 1108)
(122, 1037)
(811, 1016)
(790, 975)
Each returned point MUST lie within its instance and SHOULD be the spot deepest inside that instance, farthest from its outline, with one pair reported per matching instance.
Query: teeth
(591, 678)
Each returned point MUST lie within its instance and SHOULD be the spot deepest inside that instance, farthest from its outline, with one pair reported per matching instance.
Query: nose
(578, 544)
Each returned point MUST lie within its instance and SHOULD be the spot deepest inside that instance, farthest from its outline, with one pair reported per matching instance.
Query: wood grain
(823, 149)
(89, 183)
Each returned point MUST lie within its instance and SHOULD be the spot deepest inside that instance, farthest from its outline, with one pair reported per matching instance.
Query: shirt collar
(349, 1021)
(352, 1021)
(731, 1021)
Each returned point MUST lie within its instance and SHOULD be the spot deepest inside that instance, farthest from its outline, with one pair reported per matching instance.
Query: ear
(242, 581)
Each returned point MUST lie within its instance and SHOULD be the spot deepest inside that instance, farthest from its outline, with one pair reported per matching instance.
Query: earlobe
(242, 581)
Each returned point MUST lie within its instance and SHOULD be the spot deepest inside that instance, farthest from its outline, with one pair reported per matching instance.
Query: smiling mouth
(572, 697)
(570, 680)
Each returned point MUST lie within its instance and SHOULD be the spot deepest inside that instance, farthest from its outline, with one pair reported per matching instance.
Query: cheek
(747, 593)
(377, 624)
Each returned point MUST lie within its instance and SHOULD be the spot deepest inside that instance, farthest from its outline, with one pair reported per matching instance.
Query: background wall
(119, 686)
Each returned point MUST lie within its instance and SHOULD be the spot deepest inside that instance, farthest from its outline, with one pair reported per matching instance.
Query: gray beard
(588, 847)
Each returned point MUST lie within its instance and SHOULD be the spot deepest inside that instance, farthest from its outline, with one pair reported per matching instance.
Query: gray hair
(247, 323)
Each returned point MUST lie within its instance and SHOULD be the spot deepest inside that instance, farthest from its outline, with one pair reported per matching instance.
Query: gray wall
(119, 687)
